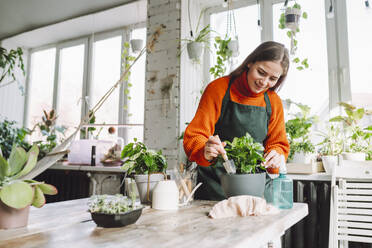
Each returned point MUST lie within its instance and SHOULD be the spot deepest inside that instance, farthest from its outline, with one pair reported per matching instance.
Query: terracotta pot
(12, 217)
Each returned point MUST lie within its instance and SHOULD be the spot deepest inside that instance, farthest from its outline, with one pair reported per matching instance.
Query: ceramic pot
(243, 184)
(165, 195)
(12, 217)
(303, 158)
(136, 44)
(195, 50)
(329, 162)
(354, 156)
(117, 220)
(292, 18)
(142, 181)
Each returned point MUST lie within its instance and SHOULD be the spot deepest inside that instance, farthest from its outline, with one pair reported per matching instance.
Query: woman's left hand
(273, 159)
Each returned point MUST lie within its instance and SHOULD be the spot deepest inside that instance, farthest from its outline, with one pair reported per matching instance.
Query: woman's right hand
(213, 147)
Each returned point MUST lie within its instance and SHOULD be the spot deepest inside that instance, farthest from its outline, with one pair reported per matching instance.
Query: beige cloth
(243, 205)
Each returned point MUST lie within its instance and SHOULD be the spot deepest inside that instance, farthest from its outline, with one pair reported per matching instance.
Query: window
(40, 85)
(309, 86)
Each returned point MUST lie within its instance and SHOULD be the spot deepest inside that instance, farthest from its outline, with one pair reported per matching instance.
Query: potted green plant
(114, 210)
(330, 147)
(298, 132)
(290, 19)
(357, 139)
(16, 195)
(250, 174)
(148, 167)
(11, 135)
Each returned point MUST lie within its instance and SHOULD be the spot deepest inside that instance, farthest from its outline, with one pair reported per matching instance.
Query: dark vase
(117, 220)
(243, 184)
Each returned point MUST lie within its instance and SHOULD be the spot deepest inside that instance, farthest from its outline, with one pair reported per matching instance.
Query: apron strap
(268, 108)
(226, 97)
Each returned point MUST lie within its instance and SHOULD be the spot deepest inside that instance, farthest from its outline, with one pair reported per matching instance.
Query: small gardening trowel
(228, 164)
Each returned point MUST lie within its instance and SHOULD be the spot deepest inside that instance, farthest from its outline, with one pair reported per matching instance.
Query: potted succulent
(16, 195)
(298, 132)
(357, 139)
(114, 210)
(148, 167)
(330, 147)
(250, 175)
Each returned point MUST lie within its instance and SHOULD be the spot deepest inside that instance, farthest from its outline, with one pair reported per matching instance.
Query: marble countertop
(68, 224)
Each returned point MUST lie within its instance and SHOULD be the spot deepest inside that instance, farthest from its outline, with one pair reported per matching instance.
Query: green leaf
(17, 194)
(48, 189)
(31, 161)
(17, 159)
(4, 168)
(39, 198)
(296, 60)
(304, 15)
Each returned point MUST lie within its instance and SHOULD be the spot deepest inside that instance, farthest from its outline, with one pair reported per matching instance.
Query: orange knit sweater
(209, 110)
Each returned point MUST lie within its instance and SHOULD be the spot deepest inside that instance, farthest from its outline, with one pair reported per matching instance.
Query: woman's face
(263, 75)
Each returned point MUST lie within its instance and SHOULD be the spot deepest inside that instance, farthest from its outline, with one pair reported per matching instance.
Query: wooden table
(68, 224)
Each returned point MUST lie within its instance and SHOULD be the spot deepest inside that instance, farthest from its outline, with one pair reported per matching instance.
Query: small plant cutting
(246, 154)
(358, 139)
(290, 19)
(298, 131)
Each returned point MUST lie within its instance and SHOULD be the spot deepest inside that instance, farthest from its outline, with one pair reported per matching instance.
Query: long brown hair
(267, 51)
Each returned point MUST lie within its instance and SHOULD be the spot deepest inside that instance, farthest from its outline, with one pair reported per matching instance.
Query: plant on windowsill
(8, 62)
(250, 173)
(148, 167)
(290, 19)
(298, 131)
(16, 195)
(357, 143)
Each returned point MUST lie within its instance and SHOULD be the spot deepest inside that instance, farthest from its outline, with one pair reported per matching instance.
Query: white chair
(351, 204)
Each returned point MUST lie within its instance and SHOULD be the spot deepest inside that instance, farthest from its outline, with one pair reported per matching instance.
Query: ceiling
(18, 16)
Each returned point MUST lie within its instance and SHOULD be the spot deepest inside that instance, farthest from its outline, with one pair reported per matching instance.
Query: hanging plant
(128, 59)
(8, 62)
(290, 19)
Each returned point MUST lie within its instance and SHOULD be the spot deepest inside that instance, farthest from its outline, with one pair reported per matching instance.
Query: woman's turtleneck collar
(243, 88)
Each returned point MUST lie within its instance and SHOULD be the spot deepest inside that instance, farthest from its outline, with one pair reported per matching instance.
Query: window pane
(106, 72)
(137, 91)
(359, 19)
(70, 87)
(40, 89)
(309, 86)
(247, 28)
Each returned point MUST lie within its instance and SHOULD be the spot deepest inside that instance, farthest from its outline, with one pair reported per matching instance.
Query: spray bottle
(283, 189)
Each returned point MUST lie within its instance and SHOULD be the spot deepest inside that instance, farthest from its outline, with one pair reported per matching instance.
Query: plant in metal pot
(298, 131)
(114, 210)
(357, 139)
(16, 194)
(250, 173)
(290, 19)
(147, 165)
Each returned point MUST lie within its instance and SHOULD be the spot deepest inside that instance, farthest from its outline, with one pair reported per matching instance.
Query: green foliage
(332, 141)
(8, 62)
(128, 60)
(142, 160)
(298, 130)
(301, 64)
(9, 135)
(246, 154)
(223, 56)
(110, 204)
(18, 193)
(357, 138)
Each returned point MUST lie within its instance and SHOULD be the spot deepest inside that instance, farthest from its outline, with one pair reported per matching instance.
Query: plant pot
(329, 162)
(234, 47)
(195, 50)
(136, 44)
(292, 18)
(354, 156)
(243, 184)
(117, 220)
(165, 195)
(304, 158)
(142, 181)
(12, 217)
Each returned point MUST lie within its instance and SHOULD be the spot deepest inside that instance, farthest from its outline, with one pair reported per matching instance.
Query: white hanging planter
(136, 44)
(195, 50)
(234, 47)
(292, 18)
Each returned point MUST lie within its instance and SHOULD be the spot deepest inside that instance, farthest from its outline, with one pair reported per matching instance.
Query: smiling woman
(231, 106)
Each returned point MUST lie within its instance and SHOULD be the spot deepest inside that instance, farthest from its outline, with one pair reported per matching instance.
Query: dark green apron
(235, 121)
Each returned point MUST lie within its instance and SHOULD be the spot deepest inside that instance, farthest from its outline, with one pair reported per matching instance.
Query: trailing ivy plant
(223, 56)
(291, 33)
(141, 160)
(298, 131)
(8, 62)
(246, 154)
(128, 60)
